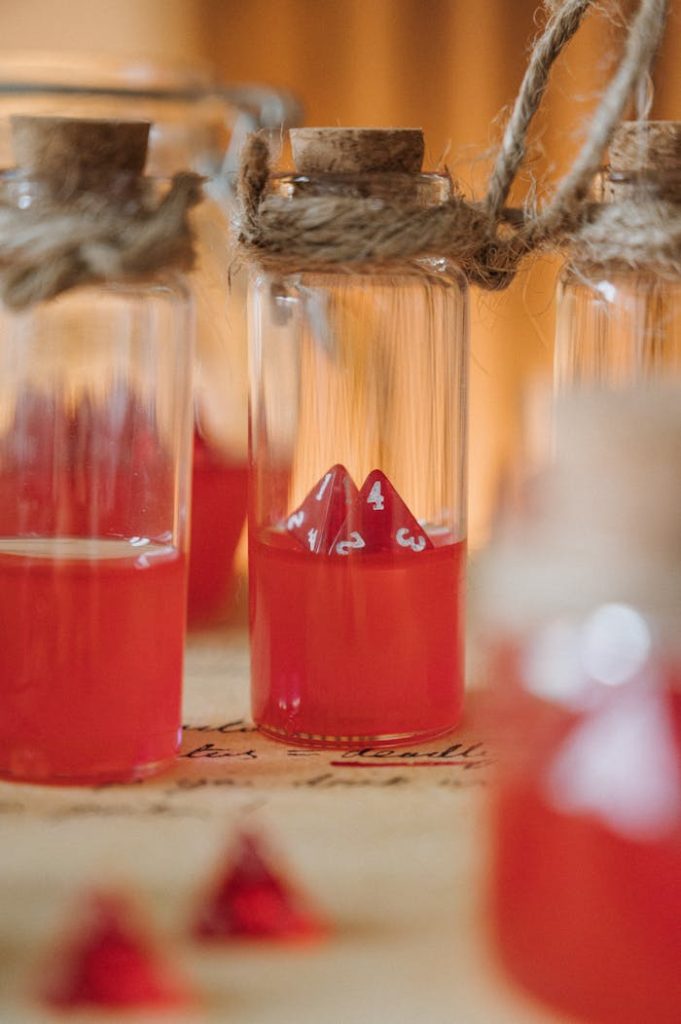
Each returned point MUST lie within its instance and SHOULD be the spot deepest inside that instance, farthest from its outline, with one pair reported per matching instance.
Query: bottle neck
(25, 191)
(420, 190)
(649, 184)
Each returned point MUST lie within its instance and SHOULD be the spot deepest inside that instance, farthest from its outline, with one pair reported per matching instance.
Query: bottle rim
(91, 74)
(423, 189)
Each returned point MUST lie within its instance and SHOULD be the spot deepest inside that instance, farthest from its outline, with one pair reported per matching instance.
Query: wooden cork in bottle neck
(646, 147)
(357, 150)
(78, 155)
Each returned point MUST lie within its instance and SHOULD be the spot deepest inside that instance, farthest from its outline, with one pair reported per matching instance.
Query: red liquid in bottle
(90, 659)
(366, 648)
(587, 915)
(219, 490)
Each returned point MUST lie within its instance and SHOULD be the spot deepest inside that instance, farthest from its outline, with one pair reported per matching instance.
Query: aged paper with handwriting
(390, 843)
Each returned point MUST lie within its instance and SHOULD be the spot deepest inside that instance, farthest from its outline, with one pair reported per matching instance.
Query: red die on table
(112, 962)
(254, 900)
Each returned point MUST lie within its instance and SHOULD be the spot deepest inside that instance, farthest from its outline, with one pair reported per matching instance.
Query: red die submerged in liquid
(586, 898)
(84, 471)
(360, 649)
(219, 498)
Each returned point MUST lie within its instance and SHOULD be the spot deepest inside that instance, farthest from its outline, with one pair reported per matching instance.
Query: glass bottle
(357, 518)
(95, 431)
(619, 322)
(583, 600)
(197, 124)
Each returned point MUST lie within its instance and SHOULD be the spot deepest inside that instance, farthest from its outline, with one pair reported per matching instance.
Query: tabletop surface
(391, 848)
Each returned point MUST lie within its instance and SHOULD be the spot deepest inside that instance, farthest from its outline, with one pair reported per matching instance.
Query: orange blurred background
(450, 66)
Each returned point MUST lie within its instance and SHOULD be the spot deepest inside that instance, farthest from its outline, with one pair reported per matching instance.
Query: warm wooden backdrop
(447, 65)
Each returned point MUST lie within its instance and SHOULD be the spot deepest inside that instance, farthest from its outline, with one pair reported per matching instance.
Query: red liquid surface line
(587, 917)
(364, 648)
(219, 499)
(90, 660)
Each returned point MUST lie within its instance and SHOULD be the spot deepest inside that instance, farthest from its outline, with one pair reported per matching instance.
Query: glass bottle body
(616, 329)
(586, 890)
(619, 325)
(95, 423)
(358, 498)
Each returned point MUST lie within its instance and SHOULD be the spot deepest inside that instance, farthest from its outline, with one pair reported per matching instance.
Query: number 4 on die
(379, 520)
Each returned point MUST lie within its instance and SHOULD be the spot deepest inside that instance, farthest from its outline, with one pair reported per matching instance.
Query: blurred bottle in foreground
(583, 604)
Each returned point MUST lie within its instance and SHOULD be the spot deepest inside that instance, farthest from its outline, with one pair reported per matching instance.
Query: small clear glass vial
(197, 124)
(582, 602)
(357, 520)
(619, 323)
(95, 429)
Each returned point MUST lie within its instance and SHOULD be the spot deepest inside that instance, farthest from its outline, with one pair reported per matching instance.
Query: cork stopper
(79, 155)
(357, 150)
(646, 146)
(603, 521)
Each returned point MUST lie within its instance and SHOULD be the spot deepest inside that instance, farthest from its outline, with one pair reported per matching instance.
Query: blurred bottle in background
(95, 420)
(619, 302)
(198, 124)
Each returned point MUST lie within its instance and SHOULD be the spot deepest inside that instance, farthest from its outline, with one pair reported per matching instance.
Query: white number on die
(312, 538)
(325, 483)
(356, 541)
(376, 497)
(405, 540)
(296, 520)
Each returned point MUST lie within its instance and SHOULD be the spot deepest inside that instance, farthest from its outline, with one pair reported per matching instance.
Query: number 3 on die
(405, 540)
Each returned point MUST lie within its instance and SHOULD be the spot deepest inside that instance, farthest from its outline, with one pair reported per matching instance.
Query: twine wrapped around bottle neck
(92, 216)
(487, 239)
(639, 227)
(317, 230)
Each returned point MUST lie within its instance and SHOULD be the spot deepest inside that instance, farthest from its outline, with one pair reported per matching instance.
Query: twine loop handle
(487, 239)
